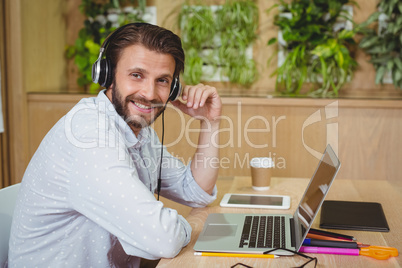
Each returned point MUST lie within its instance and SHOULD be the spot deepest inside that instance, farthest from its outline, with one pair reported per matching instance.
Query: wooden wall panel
(366, 134)
(16, 114)
(293, 131)
(370, 143)
(4, 161)
(43, 30)
(44, 112)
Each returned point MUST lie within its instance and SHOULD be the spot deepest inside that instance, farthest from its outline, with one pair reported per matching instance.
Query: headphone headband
(111, 36)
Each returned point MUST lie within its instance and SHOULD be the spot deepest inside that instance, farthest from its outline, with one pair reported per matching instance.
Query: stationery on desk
(377, 252)
(344, 245)
(331, 234)
(330, 243)
(235, 255)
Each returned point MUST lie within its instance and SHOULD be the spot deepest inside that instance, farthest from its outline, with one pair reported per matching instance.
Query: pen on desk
(329, 243)
(323, 237)
(376, 252)
(324, 250)
(326, 238)
(331, 234)
(240, 255)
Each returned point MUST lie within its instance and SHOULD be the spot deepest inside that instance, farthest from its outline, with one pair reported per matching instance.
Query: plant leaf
(345, 34)
(390, 65)
(373, 17)
(369, 41)
(382, 59)
(272, 41)
(398, 62)
(397, 75)
(272, 7)
(81, 62)
(380, 74)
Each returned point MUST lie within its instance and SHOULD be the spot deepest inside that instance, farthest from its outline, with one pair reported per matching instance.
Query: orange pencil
(323, 237)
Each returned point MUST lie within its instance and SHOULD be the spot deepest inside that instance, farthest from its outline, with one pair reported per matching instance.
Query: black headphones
(102, 72)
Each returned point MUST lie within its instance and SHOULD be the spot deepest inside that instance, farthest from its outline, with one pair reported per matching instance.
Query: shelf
(268, 100)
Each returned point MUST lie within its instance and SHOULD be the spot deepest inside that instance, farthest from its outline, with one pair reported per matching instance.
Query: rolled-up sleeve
(178, 183)
(182, 188)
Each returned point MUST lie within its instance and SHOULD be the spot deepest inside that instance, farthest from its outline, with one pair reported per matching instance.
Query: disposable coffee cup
(261, 172)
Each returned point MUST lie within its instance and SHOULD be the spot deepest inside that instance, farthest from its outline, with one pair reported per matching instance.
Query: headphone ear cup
(109, 74)
(105, 73)
(175, 90)
(96, 71)
(102, 72)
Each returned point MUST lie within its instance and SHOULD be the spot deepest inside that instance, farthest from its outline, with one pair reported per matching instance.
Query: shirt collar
(130, 139)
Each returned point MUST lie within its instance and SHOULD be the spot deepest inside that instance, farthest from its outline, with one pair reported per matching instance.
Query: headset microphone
(159, 185)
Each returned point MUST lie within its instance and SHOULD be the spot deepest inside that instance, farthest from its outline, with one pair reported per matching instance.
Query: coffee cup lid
(262, 162)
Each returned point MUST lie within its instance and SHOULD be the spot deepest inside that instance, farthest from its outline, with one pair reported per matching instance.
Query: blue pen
(329, 243)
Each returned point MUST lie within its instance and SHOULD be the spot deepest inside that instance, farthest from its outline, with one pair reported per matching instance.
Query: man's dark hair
(152, 37)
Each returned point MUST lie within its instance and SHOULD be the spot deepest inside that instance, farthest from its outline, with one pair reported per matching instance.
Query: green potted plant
(197, 33)
(317, 47)
(217, 41)
(102, 18)
(384, 43)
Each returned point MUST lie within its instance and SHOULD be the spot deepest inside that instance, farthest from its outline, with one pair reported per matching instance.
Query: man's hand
(202, 102)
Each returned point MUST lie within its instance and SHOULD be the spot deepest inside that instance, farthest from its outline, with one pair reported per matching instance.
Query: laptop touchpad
(221, 230)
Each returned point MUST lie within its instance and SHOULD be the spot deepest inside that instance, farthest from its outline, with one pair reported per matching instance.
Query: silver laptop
(256, 233)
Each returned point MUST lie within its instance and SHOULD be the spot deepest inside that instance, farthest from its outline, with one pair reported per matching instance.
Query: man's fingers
(196, 96)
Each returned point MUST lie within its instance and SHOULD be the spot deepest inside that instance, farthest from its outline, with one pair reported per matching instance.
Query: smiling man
(87, 196)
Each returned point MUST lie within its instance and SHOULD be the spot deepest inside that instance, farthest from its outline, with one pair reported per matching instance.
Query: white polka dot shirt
(87, 196)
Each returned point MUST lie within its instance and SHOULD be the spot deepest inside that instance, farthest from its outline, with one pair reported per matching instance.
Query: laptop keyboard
(263, 232)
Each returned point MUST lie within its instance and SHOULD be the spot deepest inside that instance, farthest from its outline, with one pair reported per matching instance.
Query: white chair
(8, 198)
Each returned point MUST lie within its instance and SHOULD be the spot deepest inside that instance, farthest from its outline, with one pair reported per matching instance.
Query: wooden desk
(351, 190)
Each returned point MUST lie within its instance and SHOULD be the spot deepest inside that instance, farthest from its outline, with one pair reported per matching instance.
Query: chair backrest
(8, 198)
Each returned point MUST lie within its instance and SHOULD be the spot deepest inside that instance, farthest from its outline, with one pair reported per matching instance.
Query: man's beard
(135, 121)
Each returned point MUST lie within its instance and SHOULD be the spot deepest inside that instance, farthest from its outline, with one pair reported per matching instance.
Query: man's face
(141, 86)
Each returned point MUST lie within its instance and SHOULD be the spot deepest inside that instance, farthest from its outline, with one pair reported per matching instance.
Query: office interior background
(364, 121)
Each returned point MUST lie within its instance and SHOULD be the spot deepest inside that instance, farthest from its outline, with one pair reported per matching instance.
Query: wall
(44, 40)
(364, 133)
(36, 35)
(4, 163)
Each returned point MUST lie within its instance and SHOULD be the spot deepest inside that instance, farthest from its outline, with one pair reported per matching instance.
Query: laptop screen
(315, 194)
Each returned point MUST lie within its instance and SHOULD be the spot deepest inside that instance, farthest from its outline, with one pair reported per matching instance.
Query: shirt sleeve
(182, 187)
(106, 189)
(178, 183)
